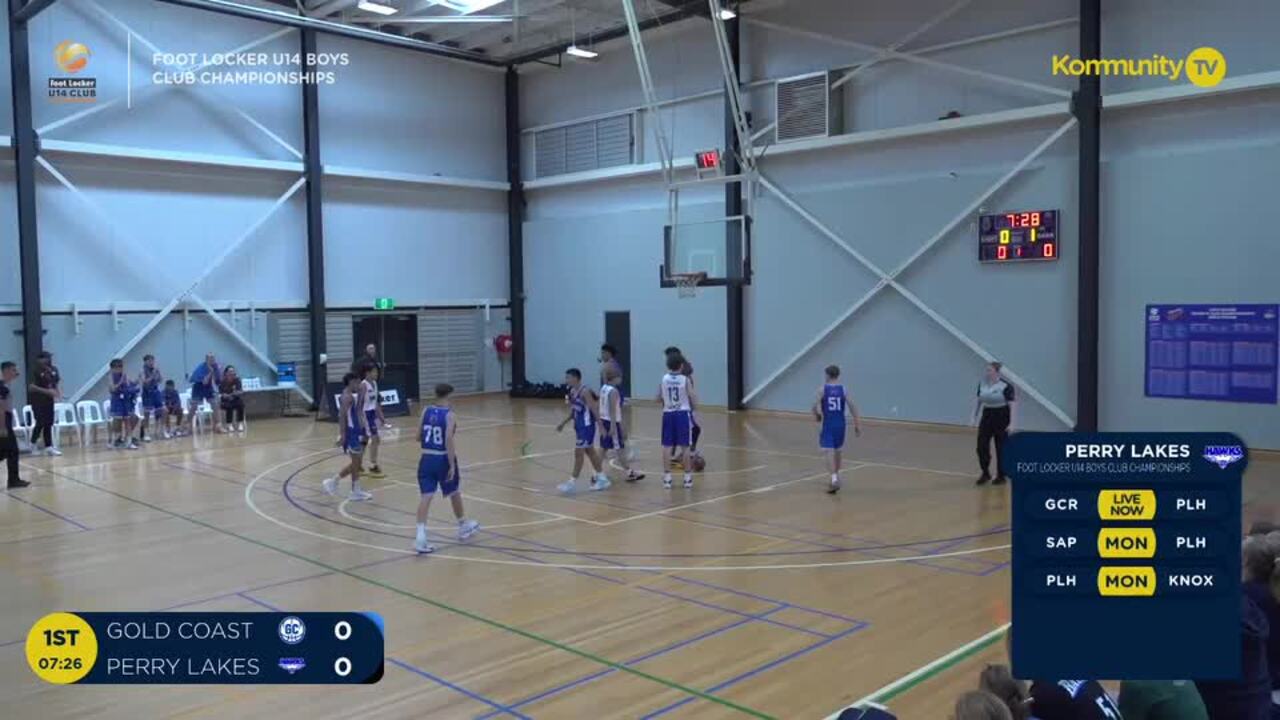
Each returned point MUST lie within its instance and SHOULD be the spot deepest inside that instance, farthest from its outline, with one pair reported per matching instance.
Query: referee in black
(9, 441)
(993, 414)
(45, 389)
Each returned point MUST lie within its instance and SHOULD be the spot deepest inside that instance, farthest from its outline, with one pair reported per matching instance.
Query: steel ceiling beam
(685, 9)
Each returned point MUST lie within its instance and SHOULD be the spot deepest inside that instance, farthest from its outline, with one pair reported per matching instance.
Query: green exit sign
(384, 304)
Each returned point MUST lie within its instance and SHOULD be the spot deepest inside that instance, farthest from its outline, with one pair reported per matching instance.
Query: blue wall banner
(1126, 555)
(1212, 352)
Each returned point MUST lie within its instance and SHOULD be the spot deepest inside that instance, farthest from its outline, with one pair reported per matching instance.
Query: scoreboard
(1018, 236)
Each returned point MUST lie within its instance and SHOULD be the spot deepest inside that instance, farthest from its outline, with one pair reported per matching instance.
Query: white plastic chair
(91, 417)
(19, 428)
(64, 417)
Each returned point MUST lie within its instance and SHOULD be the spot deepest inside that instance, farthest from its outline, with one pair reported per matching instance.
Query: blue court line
(503, 709)
(771, 665)
(647, 656)
(654, 591)
(759, 617)
(47, 511)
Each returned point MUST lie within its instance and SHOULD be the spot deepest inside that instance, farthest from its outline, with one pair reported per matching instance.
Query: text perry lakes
(1111, 451)
(185, 667)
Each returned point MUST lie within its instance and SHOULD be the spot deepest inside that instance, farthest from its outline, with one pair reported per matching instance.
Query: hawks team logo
(1223, 455)
(292, 665)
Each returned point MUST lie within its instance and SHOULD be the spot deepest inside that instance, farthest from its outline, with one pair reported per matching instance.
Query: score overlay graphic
(1126, 554)
(160, 648)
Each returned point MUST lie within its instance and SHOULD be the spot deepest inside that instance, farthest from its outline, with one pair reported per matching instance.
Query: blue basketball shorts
(832, 436)
(606, 439)
(371, 416)
(353, 441)
(586, 435)
(432, 474)
(675, 428)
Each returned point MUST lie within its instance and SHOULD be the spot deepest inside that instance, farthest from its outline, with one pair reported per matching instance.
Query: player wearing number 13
(678, 403)
(438, 467)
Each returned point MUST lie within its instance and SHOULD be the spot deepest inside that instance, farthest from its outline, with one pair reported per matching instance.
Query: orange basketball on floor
(699, 463)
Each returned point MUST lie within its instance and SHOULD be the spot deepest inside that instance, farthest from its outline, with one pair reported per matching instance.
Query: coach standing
(45, 390)
(369, 359)
(9, 441)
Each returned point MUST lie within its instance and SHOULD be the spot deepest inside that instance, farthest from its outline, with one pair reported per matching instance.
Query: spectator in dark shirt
(9, 441)
(230, 391)
(1259, 586)
(45, 390)
(1248, 698)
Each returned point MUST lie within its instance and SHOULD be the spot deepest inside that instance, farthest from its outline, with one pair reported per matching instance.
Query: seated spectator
(230, 394)
(1260, 584)
(1161, 700)
(999, 681)
(1248, 698)
(172, 410)
(980, 705)
(1069, 699)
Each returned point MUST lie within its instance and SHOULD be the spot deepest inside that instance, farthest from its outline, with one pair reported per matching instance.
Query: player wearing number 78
(438, 467)
(829, 409)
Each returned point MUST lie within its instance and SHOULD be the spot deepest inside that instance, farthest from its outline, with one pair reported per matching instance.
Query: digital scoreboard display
(1018, 236)
(707, 160)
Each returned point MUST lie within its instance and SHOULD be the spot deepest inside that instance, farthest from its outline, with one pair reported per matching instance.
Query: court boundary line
(927, 671)
(497, 624)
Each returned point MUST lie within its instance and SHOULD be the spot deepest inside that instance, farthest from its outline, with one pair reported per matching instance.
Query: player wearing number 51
(829, 409)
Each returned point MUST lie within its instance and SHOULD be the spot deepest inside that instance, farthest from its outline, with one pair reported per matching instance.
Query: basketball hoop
(687, 283)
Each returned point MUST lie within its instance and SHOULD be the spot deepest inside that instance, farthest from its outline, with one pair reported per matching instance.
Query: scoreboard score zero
(1018, 236)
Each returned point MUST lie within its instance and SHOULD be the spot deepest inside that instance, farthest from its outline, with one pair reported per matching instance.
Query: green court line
(437, 604)
(938, 669)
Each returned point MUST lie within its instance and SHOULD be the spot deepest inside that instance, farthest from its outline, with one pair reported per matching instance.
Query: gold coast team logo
(71, 56)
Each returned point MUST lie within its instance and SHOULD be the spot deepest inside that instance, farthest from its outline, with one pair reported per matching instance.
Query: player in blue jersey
(829, 409)
(584, 413)
(123, 394)
(438, 467)
(675, 392)
(152, 397)
(353, 433)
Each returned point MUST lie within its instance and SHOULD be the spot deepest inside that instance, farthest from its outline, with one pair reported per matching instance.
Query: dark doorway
(617, 332)
(397, 339)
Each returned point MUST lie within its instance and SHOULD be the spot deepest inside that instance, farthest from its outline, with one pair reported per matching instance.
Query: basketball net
(687, 283)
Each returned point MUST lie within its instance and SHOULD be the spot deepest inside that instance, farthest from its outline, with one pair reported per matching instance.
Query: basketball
(699, 463)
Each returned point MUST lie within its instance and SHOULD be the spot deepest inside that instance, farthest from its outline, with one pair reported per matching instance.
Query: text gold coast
(185, 630)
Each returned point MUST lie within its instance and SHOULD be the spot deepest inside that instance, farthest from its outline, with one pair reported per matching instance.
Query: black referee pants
(44, 424)
(9, 450)
(994, 425)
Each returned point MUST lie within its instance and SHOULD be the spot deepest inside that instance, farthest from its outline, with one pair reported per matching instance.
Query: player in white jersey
(371, 406)
(678, 402)
(612, 436)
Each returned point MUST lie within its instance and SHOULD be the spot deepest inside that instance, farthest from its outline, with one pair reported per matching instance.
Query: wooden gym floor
(754, 594)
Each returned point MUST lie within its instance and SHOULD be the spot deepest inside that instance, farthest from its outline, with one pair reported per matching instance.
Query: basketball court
(755, 594)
